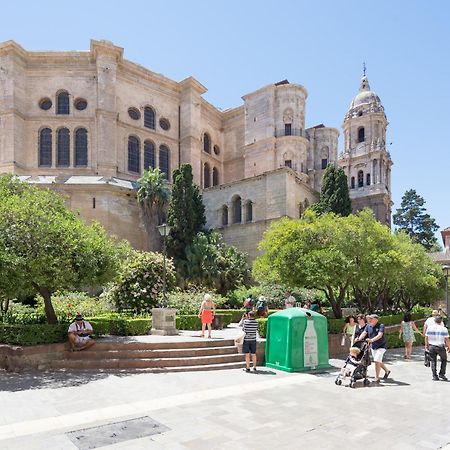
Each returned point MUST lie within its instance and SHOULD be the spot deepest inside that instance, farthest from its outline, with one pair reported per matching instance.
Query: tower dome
(365, 101)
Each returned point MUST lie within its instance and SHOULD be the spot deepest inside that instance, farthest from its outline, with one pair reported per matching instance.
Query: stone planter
(164, 322)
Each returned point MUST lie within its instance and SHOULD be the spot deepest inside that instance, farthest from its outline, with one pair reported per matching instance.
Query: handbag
(343, 340)
(239, 340)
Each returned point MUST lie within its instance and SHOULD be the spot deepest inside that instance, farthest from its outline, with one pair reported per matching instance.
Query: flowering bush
(68, 304)
(139, 286)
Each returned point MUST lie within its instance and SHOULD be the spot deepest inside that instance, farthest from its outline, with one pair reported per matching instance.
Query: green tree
(342, 255)
(213, 264)
(46, 247)
(413, 219)
(186, 215)
(334, 195)
(153, 195)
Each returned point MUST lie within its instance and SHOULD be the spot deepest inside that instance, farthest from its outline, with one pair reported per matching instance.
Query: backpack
(261, 305)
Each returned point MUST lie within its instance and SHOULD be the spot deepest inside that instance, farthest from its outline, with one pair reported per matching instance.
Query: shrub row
(33, 334)
(116, 325)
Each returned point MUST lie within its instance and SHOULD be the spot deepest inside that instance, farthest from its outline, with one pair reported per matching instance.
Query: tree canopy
(348, 255)
(213, 264)
(45, 247)
(153, 195)
(186, 215)
(334, 195)
(412, 219)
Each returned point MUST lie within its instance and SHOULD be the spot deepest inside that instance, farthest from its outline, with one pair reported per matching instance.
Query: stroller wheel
(366, 382)
(352, 384)
(338, 381)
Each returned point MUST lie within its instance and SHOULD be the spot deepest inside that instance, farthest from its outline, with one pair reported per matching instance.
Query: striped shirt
(250, 329)
(436, 335)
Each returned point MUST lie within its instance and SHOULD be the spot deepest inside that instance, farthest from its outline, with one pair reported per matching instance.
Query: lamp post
(164, 231)
(446, 270)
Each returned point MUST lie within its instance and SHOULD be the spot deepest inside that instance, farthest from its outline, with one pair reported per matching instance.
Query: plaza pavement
(230, 409)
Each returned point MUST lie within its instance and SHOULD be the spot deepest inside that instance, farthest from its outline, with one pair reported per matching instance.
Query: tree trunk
(151, 219)
(4, 306)
(335, 304)
(49, 311)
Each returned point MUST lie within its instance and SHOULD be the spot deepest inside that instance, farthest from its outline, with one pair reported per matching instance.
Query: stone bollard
(164, 322)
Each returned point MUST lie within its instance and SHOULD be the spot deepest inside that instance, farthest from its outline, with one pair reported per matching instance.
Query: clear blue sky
(235, 47)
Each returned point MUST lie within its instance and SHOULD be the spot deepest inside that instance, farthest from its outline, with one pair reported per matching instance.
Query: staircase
(181, 356)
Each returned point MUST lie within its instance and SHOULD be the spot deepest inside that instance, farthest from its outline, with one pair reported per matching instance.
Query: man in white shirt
(79, 334)
(436, 339)
(430, 320)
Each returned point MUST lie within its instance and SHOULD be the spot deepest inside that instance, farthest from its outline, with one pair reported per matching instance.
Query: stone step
(106, 345)
(223, 366)
(95, 353)
(156, 363)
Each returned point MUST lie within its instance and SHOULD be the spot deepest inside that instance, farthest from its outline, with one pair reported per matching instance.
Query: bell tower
(365, 160)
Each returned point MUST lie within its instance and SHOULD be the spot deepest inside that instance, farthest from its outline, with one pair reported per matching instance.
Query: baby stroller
(360, 372)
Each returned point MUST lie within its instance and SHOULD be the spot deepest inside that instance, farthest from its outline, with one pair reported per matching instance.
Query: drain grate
(114, 433)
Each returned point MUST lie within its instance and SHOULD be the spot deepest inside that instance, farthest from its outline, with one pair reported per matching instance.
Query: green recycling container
(297, 340)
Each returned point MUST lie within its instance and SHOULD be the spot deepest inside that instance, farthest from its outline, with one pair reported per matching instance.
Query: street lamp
(446, 270)
(164, 231)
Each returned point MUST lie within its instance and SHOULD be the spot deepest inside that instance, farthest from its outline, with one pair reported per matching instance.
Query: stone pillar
(190, 131)
(107, 57)
(164, 322)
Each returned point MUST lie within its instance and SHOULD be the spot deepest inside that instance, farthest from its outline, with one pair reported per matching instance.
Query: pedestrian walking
(407, 330)
(348, 332)
(361, 324)
(430, 320)
(289, 301)
(374, 333)
(250, 327)
(436, 339)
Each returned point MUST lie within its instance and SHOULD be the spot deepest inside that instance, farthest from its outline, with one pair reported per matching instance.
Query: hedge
(193, 323)
(394, 341)
(33, 334)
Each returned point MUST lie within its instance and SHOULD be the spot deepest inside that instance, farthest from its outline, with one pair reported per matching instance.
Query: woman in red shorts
(206, 313)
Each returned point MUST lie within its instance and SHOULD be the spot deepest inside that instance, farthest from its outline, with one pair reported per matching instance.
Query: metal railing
(291, 132)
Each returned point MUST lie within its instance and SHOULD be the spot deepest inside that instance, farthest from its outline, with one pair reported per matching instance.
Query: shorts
(377, 354)
(81, 340)
(249, 347)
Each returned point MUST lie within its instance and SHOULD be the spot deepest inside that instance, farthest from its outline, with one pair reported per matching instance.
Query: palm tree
(153, 195)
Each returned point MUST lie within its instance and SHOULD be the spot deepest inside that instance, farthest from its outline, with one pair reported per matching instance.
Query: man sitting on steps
(79, 334)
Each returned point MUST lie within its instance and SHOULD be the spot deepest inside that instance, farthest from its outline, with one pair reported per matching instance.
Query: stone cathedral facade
(88, 123)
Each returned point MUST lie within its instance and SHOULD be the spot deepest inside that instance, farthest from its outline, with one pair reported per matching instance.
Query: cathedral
(88, 123)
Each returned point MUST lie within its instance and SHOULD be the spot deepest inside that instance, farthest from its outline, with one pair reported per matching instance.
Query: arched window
(134, 162)
(149, 117)
(224, 216)
(215, 176)
(63, 146)
(45, 147)
(361, 134)
(249, 211)
(206, 143)
(164, 160)
(62, 103)
(237, 210)
(353, 183)
(360, 178)
(149, 155)
(206, 176)
(81, 147)
(368, 179)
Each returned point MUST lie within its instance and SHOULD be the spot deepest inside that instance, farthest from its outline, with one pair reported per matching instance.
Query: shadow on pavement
(15, 382)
